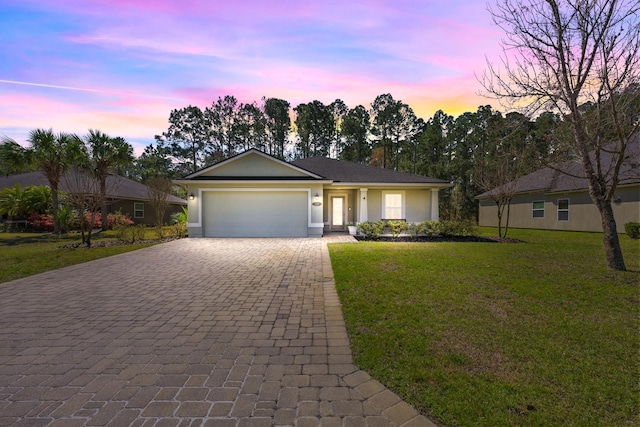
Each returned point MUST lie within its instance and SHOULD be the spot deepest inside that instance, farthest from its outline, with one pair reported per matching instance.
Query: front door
(338, 213)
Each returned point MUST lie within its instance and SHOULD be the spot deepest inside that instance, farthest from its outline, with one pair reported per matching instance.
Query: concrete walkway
(195, 332)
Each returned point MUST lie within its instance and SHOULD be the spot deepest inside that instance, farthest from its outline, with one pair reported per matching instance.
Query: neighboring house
(552, 200)
(129, 197)
(256, 195)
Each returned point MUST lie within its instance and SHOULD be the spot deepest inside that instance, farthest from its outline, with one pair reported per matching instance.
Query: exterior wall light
(192, 196)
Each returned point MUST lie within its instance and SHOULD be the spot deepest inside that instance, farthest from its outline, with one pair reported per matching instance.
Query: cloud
(84, 89)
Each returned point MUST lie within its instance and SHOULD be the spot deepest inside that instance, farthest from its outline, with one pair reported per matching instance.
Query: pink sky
(122, 66)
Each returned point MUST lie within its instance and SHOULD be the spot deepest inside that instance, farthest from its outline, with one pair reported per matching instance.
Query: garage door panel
(255, 214)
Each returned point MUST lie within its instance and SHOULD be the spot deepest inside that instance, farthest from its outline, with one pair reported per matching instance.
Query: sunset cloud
(123, 65)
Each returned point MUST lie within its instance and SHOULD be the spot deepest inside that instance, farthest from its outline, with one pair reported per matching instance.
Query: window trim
(403, 198)
(563, 210)
(534, 210)
(136, 210)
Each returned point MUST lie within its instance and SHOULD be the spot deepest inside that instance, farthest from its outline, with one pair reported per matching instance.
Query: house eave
(252, 181)
(390, 184)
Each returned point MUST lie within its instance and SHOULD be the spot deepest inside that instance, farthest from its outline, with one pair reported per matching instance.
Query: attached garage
(255, 213)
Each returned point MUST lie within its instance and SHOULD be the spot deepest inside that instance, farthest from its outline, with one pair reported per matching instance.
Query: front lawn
(495, 334)
(24, 254)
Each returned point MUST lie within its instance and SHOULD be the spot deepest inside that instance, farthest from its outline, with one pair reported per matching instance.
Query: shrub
(632, 229)
(97, 219)
(428, 228)
(67, 218)
(180, 217)
(397, 227)
(117, 219)
(179, 229)
(455, 228)
(41, 223)
(159, 230)
(413, 229)
(137, 232)
(371, 229)
(122, 232)
(130, 233)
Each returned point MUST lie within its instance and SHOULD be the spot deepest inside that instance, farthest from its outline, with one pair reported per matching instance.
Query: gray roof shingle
(350, 172)
(552, 180)
(118, 187)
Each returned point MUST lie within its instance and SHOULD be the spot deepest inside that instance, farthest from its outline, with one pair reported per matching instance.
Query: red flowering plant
(97, 219)
(41, 223)
(118, 219)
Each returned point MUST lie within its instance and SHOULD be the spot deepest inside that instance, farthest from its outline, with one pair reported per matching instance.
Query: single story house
(125, 195)
(256, 195)
(553, 200)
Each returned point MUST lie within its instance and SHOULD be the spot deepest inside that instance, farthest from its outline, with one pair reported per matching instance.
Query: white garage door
(255, 214)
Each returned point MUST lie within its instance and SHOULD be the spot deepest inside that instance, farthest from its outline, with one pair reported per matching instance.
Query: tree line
(388, 134)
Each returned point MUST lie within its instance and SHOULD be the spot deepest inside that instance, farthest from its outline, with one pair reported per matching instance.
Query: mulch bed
(103, 243)
(405, 239)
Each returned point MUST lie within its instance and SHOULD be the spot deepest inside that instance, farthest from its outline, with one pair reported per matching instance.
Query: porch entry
(338, 213)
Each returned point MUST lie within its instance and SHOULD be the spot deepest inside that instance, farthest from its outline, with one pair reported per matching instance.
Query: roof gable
(252, 164)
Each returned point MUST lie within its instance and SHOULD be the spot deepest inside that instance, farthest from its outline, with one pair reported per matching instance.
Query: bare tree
(579, 58)
(158, 190)
(499, 180)
(85, 195)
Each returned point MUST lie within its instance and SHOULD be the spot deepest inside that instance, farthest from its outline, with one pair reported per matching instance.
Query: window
(538, 209)
(393, 205)
(138, 210)
(563, 209)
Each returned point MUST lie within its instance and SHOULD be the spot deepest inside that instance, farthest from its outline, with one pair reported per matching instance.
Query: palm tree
(105, 155)
(12, 201)
(53, 155)
(13, 157)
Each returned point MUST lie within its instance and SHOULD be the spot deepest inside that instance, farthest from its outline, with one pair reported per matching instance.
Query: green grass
(25, 254)
(496, 334)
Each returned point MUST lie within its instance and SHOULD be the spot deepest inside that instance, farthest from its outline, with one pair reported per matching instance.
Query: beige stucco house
(256, 195)
(552, 200)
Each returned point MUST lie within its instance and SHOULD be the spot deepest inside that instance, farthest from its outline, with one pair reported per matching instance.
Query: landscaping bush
(41, 223)
(160, 231)
(180, 217)
(454, 228)
(117, 219)
(412, 229)
(397, 227)
(371, 229)
(122, 231)
(130, 233)
(427, 228)
(179, 230)
(67, 218)
(632, 229)
(97, 219)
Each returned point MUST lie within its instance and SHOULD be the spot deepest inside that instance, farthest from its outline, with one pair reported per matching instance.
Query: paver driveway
(228, 332)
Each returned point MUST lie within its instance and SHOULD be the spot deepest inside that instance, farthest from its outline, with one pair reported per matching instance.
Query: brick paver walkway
(213, 332)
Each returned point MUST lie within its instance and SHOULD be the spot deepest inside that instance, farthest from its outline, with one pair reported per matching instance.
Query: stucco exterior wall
(417, 204)
(583, 214)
